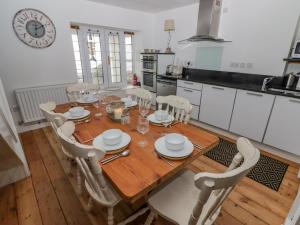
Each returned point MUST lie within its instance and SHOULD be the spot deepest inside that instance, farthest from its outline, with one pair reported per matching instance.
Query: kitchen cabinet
(189, 85)
(216, 105)
(194, 96)
(284, 125)
(250, 114)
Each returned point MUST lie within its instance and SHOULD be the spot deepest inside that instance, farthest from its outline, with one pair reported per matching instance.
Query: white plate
(89, 101)
(98, 142)
(69, 117)
(133, 103)
(160, 147)
(153, 119)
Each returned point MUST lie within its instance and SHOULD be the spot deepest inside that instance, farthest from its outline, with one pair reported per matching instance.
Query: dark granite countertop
(243, 81)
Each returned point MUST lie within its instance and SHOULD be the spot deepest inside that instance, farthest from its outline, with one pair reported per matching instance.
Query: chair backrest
(178, 106)
(98, 187)
(142, 96)
(216, 187)
(55, 119)
(65, 134)
(74, 91)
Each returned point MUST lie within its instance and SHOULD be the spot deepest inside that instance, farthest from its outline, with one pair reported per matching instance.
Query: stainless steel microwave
(296, 50)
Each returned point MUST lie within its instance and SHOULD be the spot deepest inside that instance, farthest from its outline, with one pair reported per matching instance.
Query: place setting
(112, 141)
(77, 114)
(173, 146)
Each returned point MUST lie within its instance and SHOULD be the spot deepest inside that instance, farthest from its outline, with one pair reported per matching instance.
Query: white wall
(260, 30)
(23, 66)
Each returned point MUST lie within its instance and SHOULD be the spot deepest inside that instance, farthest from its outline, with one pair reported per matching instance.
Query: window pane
(114, 55)
(129, 56)
(94, 50)
(77, 55)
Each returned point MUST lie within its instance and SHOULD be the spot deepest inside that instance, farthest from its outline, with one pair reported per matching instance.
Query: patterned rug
(268, 171)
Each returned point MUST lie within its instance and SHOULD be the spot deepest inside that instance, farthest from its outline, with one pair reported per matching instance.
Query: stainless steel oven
(149, 81)
(149, 62)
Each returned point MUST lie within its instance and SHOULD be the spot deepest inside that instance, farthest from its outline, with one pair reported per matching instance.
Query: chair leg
(150, 218)
(78, 178)
(110, 216)
(68, 166)
(89, 204)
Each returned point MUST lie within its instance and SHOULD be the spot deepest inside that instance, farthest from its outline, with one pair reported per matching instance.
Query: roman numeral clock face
(34, 28)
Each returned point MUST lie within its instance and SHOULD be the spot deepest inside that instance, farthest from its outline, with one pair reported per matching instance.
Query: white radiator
(29, 99)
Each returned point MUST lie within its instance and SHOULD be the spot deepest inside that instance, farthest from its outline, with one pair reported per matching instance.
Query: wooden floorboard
(49, 197)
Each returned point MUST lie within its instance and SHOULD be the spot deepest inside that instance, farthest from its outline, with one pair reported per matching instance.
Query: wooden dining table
(136, 175)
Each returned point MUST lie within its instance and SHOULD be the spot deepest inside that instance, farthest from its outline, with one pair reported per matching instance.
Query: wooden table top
(136, 175)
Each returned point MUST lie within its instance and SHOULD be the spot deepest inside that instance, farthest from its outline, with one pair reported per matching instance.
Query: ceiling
(151, 6)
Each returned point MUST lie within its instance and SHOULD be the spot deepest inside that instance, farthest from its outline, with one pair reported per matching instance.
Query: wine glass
(97, 104)
(144, 108)
(143, 128)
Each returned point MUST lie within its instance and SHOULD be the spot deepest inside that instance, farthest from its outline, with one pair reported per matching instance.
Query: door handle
(254, 94)
(188, 82)
(187, 90)
(108, 60)
(218, 88)
(294, 100)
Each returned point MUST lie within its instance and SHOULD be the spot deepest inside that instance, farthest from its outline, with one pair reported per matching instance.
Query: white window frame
(85, 62)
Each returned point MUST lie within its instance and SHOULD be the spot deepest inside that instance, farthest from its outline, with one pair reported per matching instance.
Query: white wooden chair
(142, 96)
(178, 106)
(197, 199)
(99, 190)
(55, 119)
(74, 91)
(72, 148)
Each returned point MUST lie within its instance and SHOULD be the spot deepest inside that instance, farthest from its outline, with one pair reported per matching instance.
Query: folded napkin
(83, 136)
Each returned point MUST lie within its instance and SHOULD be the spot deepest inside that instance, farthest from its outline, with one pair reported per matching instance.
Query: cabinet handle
(187, 90)
(254, 94)
(218, 88)
(191, 83)
(294, 100)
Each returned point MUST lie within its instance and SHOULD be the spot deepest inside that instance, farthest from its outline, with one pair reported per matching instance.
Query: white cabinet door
(216, 105)
(193, 96)
(284, 126)
(195, 112)
(250, 114)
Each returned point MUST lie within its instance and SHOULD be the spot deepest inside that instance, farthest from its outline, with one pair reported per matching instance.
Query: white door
(284, 126)
(103, 56)
(216, 105)
(250, 114)
(93, 55)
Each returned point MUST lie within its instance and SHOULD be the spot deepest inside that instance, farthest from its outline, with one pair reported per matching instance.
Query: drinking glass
(143, 128)
(144, 109)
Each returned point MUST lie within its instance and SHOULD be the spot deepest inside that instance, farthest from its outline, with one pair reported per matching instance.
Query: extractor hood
(208, 22)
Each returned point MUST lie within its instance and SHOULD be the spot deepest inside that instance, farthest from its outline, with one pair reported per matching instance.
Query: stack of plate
(112, 141)
(87, 99)
(160, 116)
(77, 113)
(174, 146)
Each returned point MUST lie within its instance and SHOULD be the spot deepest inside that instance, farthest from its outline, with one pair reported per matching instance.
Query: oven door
(149, 81)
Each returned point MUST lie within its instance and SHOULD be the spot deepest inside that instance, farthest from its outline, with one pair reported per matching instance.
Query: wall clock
(34, 28)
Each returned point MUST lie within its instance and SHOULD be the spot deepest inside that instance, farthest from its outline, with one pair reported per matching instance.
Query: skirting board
(267, 148)
(12, 175)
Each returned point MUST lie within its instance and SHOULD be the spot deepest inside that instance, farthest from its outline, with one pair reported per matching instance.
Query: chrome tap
(266, 82)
